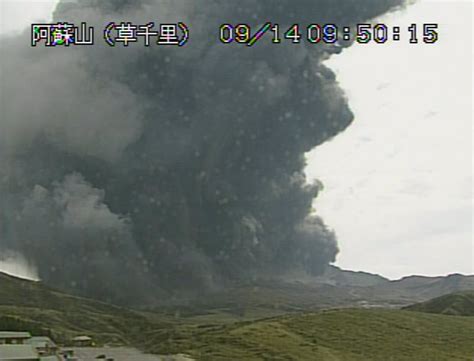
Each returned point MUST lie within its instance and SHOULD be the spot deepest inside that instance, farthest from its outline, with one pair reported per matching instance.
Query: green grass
(459, 303)
(350, 334)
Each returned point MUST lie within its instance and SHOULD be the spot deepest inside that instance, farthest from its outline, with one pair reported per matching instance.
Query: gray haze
(132, 173)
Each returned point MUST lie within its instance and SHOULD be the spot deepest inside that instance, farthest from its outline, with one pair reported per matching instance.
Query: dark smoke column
(165, 170)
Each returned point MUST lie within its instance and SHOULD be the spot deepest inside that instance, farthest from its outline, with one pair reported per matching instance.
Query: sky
(15, 15)
(398, 181)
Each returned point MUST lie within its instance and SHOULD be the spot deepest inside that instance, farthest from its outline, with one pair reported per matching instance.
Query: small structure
(18, 353)
(83, 341)
(43, 345)
(68, 354)
(13, 338)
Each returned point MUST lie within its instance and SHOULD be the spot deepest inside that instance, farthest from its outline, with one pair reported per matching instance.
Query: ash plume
(130, 174)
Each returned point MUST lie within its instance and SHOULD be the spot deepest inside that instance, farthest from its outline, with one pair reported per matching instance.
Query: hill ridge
(456, 304)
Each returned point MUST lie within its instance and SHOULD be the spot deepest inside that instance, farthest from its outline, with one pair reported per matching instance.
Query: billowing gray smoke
(129, 173)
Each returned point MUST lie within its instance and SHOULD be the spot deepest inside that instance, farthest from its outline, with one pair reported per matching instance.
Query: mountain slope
(336, 288)
(459, 304)
(30, 304)
(339, 335)
(262, 298)
(430, 287)
(339, 277)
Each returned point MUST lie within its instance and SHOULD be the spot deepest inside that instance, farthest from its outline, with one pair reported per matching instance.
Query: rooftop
(41, 341)
(49, 358)
(11, 334)
(18, 352)
(82, 338)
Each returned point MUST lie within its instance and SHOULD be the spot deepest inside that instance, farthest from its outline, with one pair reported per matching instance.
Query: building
(18, 353)
(43, 345)
(13, 338)
(68, 354)
(83, 341)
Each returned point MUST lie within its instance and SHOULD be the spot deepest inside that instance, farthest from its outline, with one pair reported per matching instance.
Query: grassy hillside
(460, 304)
(339, 335)
(32, 305)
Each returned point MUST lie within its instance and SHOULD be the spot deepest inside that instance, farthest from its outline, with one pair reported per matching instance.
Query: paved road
(122, 354)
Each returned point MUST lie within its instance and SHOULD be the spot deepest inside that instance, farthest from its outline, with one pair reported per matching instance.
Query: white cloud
(398, 182)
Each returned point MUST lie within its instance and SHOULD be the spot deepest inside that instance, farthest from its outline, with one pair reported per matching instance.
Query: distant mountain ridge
(422, 288)
(339, 277)
(335, 288)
